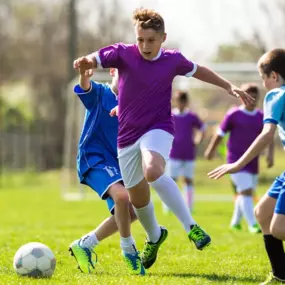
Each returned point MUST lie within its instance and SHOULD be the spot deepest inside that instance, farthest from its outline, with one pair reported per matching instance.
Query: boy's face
(149, 42)
(253, 105)
(271, 81)
(181, 105)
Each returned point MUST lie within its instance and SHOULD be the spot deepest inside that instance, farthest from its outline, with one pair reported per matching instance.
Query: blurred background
(40, 118)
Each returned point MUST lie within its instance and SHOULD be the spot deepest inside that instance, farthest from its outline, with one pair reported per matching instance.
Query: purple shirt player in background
(244, 124)
(189, 132)
(146, 72)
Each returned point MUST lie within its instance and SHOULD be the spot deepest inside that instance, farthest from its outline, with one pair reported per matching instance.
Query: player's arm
(270, 155)
(212, 147)
(110, 56)
(200, 135)
(207, 75)
(84, 79)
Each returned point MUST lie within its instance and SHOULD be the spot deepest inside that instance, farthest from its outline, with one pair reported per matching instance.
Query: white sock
(237, 214)
(89, 240)
(246, 204)
(148, 220)
(188, 190)
(170, 194)
(128, 245)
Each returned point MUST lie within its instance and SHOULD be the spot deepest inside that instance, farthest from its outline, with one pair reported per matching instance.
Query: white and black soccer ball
(34, 259)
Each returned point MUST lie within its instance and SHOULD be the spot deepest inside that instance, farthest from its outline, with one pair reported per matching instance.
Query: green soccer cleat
(83, 257)
(271, 279)
(255, 229)
(199, 237)
(236, 227)
(134, 263)
(150, 250)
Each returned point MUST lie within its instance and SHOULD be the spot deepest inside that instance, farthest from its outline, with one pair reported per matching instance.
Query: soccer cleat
(199, 237)
(134, 263)
(255, 229)
(271, 279)
(83, 257)
(150, 250)
(236, 227)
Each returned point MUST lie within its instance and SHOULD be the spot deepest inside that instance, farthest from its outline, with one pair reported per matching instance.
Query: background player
(270, 210)
(189, 132)
(244, 124)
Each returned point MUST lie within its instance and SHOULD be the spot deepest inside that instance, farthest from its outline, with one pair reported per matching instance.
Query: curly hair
(273, 60)
(148, 19)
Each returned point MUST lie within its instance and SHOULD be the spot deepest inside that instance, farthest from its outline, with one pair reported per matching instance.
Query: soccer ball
(34, 259)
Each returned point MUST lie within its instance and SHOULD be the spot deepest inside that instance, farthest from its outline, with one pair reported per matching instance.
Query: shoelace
(149, 250)
(197, 234)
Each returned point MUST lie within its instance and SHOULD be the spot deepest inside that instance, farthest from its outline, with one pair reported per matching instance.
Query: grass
(32, 210)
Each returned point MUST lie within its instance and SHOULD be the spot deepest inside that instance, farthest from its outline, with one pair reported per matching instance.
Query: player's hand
(222, 170)
(269, 161)
(114, 112)
(88, 73)
(83, 63)
(242, 95)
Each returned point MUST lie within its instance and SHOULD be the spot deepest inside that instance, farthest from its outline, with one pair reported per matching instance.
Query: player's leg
(188, 174)
(123, 219)
(154, 155)
(173, 169)
(244, 201)
(264, 212)
(139, 192)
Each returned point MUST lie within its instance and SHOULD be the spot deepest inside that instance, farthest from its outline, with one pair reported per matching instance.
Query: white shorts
(130, 157)
(177, 167)
(244, 181)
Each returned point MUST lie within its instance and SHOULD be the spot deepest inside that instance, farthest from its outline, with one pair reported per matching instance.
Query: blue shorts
(277, 191)
(100, 177)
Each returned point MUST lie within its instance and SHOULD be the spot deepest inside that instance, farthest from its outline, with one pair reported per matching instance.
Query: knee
(153, 172)
(262, 218)
(121, 198)
(277, 232)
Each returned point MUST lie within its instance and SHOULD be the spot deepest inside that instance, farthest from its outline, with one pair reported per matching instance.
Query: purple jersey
(243, 127)
(144, 88)
(185, 123)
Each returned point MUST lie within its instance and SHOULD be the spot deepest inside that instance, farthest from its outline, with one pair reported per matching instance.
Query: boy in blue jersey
(98, 168)
(270, 211)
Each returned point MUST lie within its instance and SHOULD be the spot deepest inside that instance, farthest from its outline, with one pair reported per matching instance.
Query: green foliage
(245, 51)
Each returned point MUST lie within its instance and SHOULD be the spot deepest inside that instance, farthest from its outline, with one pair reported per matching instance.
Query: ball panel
(37, 252)
(29, 262)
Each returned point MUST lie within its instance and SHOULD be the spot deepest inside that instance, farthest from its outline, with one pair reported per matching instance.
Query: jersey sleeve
(198, 123)
(274, 107)
(89, 98)
(184, 66)
(225, 125)
(111, 56)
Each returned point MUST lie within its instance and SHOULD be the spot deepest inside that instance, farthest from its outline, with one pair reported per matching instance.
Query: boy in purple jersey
(189, 132)
(146, 72)
(270, 210)
(244, 124)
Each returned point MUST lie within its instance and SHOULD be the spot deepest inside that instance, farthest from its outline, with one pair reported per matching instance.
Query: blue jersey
(274, 110)
(98, 141)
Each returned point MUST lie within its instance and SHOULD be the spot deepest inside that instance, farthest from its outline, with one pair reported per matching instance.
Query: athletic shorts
(100, 178)
(244, 181)
(177, 167)
(277, 191)
(130, 157)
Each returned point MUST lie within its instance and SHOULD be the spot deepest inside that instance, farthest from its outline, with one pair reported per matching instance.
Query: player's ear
(164, 37)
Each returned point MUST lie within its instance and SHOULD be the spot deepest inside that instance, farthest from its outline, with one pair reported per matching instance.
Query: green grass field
(32, 210)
